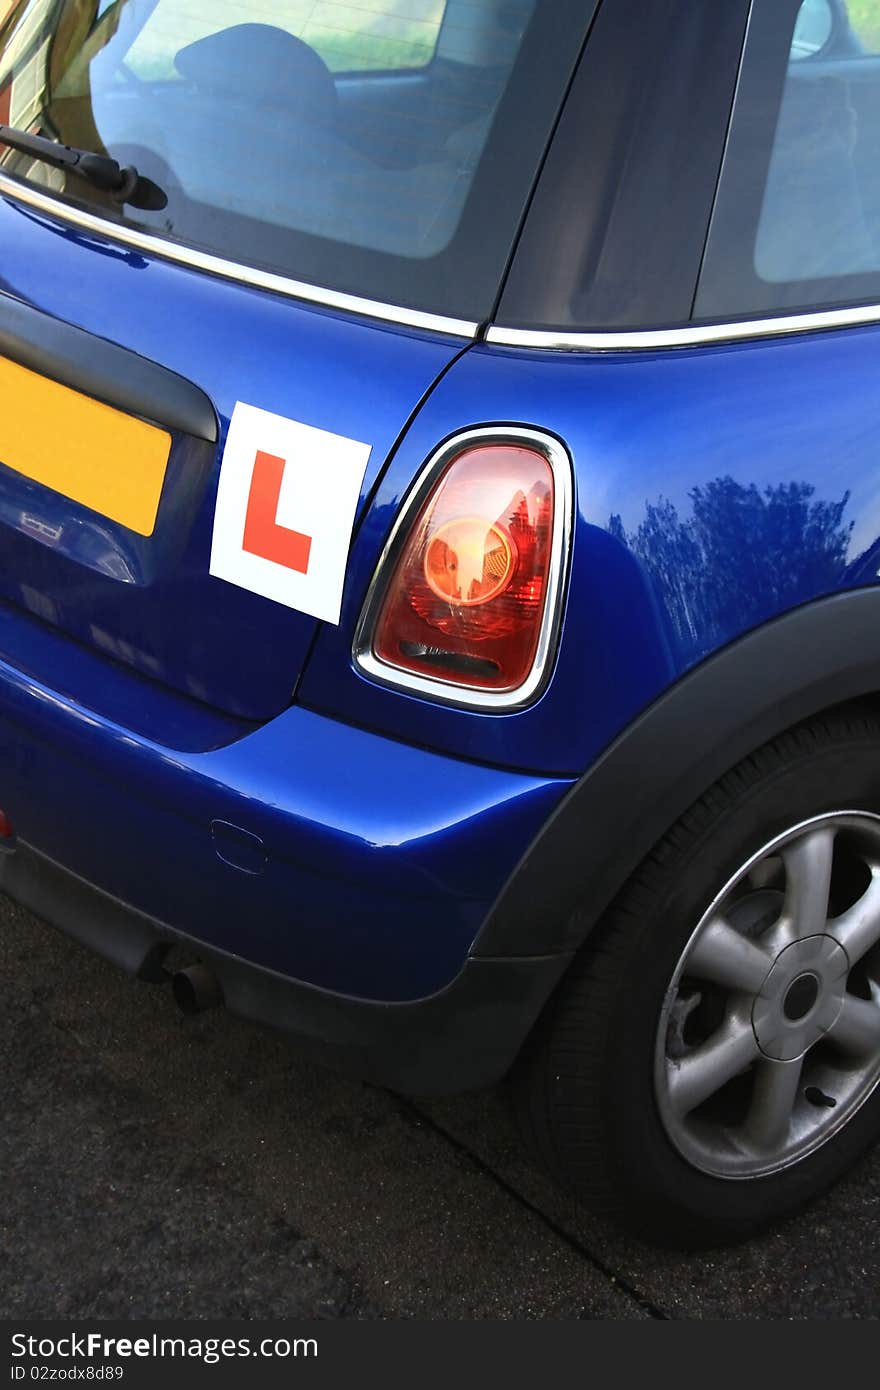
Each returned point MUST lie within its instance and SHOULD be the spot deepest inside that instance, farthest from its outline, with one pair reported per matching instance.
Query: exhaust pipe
(195, 989)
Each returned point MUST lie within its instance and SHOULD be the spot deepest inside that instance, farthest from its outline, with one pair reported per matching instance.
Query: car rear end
(200, 402)
(438, 551)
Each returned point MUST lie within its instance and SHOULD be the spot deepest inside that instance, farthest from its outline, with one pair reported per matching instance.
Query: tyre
(711, 1060)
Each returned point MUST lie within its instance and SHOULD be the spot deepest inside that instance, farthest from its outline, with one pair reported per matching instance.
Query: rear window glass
(385, 148)
(797, 221)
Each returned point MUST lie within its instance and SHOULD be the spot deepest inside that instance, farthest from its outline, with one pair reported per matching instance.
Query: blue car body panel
(218, 762)
(313, 849)
(715, 489)
(151, 602)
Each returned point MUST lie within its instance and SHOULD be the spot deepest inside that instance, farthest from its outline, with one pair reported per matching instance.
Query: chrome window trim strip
(448, 692)
(692, 335)
(232, 270)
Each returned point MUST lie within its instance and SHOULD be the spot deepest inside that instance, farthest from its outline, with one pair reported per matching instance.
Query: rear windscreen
(384, 148)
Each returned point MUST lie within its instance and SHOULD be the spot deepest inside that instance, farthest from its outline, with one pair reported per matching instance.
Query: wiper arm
(123, 185)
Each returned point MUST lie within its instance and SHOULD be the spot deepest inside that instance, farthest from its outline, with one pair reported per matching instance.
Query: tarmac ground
(155, 1166)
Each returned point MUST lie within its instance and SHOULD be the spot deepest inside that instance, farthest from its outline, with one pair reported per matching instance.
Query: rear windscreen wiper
(124, 185)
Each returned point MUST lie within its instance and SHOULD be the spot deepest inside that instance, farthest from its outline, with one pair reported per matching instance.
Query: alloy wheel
(769, 1035)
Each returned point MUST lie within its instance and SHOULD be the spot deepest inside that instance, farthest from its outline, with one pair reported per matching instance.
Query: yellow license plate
(95, 455)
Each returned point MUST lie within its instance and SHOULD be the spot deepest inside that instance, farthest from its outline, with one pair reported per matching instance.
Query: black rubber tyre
(583, 1090)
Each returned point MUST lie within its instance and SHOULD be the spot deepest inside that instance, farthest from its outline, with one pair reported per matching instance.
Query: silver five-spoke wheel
(769, 1037)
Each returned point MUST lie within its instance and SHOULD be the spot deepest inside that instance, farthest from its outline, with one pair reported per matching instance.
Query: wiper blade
(123, 185)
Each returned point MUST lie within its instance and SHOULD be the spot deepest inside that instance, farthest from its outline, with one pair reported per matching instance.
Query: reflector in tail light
(465, 603)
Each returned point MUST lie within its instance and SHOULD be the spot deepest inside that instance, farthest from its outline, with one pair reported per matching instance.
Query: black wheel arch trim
(104, 370)
(823, 654)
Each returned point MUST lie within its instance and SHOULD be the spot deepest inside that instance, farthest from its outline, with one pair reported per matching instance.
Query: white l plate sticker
(285, 510)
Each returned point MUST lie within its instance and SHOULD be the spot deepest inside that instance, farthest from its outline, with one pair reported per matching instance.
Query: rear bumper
(463, 1037)
(337, 880)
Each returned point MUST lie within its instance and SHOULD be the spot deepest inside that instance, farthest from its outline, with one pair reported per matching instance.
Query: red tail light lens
(468, 602)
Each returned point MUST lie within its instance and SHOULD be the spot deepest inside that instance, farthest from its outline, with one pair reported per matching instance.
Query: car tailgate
(132, 577)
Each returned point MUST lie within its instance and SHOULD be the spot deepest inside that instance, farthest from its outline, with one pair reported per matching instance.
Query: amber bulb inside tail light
(466, 601)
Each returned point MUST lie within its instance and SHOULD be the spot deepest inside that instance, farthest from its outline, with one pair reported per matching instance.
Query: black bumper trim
(465, 1037)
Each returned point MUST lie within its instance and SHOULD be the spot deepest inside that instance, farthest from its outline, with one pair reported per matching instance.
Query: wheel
(711, 1060)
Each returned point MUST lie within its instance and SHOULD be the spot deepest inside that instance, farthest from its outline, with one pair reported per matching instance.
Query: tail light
(466, 599)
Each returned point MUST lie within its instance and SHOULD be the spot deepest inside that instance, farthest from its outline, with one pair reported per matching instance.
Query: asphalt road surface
(153, 1166)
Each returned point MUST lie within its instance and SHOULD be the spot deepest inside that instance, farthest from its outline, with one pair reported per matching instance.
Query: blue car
(439, 544)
